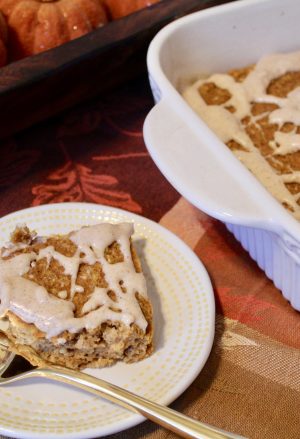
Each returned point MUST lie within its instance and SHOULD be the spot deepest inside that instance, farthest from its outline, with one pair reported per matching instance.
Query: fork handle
(172, 420)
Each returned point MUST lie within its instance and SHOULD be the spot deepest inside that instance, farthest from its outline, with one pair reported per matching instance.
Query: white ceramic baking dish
(190, 155)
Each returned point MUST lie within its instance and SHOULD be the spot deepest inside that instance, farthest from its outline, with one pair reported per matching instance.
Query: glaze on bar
(52, 315)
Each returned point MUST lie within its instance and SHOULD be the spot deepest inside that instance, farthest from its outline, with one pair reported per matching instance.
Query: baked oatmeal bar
(77, 300)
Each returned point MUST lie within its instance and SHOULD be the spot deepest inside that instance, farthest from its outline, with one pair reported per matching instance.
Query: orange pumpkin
(3, 40)
(38, 25)
(120, 8)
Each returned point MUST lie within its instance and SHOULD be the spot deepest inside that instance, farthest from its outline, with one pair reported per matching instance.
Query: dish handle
(196, 164)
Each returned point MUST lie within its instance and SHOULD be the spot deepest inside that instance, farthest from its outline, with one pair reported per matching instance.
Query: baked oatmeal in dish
(255, 111)
(77, 300)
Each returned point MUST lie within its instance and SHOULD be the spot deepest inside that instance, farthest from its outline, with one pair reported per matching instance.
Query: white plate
(184, 313)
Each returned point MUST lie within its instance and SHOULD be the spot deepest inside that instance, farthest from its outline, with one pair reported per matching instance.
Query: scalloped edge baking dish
(191, 156)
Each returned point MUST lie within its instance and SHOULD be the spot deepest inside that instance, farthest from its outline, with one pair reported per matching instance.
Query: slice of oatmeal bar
(77, 300)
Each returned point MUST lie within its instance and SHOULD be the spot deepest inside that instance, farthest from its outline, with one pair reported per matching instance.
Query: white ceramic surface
(183, 302)
(191, 156)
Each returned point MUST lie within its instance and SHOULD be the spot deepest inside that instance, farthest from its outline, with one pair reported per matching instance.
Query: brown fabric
(95, 153)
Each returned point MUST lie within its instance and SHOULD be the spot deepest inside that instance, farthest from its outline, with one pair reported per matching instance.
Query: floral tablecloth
(95, 153)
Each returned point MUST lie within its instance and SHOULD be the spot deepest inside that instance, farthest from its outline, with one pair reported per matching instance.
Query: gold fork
(164, 416)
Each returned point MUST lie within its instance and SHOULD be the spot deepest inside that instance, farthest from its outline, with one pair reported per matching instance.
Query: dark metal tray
(40, 86)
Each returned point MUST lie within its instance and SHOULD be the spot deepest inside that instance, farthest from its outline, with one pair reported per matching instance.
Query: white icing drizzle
(268, 68)
(228, 125)
(287, 143)
(10, 248)
(53, 315)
